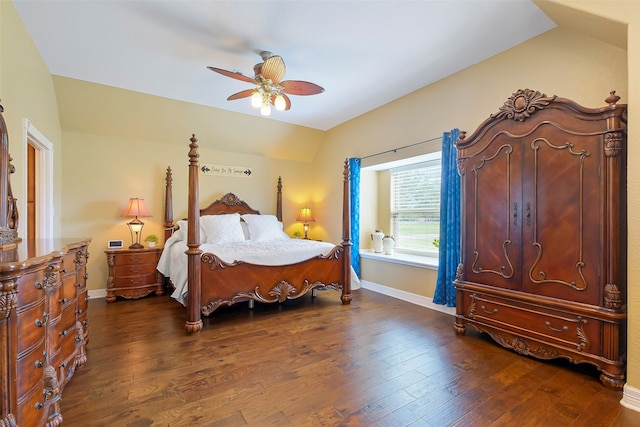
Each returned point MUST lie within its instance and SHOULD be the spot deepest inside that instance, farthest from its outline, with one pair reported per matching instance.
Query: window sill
(400, 258)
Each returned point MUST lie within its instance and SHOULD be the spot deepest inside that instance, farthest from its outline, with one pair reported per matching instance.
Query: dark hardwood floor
(378, 362)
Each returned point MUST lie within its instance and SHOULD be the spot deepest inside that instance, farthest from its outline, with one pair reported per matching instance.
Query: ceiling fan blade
(273, 68)
(298, 87)
(232, 74)
(242, 94)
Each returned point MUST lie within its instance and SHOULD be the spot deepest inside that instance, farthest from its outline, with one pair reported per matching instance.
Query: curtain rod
(401, 148)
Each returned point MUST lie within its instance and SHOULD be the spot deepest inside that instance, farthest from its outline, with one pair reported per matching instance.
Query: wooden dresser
(132, 273)
(543, 267)
(44, 327)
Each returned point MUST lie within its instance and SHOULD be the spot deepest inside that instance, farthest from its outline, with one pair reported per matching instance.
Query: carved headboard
(8, 208)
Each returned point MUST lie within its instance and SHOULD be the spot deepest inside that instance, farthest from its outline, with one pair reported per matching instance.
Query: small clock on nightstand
(132, 273)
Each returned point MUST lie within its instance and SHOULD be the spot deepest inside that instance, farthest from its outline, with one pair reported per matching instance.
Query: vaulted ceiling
(364, 53)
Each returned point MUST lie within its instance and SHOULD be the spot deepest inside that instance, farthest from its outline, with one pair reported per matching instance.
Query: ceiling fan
(269, 88)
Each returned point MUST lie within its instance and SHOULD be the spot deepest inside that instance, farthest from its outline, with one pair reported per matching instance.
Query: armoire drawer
(563, 328)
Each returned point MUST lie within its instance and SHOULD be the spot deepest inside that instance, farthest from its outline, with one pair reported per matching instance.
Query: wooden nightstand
(132, 273)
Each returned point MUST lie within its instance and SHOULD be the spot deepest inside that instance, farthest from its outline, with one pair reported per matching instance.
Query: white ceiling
(364, 53)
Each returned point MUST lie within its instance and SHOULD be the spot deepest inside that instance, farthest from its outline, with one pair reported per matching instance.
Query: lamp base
(136, 246)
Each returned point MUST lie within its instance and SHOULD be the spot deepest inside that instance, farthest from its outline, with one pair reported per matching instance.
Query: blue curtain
(449, 222)
(354, 168)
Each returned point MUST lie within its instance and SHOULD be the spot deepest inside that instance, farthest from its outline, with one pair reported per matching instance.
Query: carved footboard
(227, 284)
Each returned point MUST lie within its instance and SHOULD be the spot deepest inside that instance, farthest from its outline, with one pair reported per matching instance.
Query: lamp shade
(305, 215)
(136, 208)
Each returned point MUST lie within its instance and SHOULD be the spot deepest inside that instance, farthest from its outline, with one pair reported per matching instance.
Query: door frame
(44, 180)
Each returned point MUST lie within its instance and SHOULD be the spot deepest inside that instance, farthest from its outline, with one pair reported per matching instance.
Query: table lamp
(135, 209)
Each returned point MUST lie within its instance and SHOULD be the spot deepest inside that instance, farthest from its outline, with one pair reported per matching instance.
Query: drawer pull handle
(494, 311)
(86, 322)
(63, 334)
(86, 276)
(78, 285)
(39, 405)
(563, 329)
(41, 322)
(86, 299)
(39, 364)
(38, 285)
(64, 270)
(515, 214)
(63, 301)
(63, 365)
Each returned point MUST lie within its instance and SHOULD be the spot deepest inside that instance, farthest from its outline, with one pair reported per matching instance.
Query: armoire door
(492, 208)
(563, 209)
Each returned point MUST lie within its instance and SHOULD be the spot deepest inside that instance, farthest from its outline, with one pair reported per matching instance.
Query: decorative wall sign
(237, 171)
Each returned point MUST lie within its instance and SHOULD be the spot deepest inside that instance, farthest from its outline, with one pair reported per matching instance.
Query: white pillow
(182, 231)
(224, 228)
(264, 228)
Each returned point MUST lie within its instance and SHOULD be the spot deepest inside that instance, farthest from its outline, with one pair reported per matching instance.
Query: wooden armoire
(543, 233)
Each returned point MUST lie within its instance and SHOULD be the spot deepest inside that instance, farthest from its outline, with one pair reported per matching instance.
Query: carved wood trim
(522, 104)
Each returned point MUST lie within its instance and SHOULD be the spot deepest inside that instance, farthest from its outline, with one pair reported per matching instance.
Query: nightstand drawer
(136, 258)
(129, 281)
(135, 269)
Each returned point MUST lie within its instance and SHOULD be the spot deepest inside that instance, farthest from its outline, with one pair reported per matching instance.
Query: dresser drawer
(68, 351)
(83, 301)
(68, 320)
(562, 328)
(68, 263)
(69, 288)
(30, 287)
(30, 369)
(32, 324)
(32, 411)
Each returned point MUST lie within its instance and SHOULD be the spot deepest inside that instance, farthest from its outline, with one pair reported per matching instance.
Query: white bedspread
(173, 261)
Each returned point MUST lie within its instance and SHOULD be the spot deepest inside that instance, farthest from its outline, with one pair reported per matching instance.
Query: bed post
(346, 233)
(194, 317)
(168, 205)
(279, 200)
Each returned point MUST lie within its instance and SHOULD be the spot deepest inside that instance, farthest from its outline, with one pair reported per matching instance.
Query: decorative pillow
(182, 231)
(223, 228)
(264, 228)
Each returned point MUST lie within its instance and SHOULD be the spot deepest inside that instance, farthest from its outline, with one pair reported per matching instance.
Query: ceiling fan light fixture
(265, 110)
(256, 99)
(280, 103)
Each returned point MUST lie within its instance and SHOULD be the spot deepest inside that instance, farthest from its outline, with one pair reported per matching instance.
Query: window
(415, 207)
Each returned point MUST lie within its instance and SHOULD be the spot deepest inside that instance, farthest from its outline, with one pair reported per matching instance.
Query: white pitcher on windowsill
(388, 243)
(377, 241)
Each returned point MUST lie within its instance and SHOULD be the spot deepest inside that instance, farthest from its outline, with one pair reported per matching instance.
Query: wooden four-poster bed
(212, 281)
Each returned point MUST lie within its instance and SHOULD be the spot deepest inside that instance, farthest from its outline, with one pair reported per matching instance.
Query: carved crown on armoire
(43, 313)
(543, 232)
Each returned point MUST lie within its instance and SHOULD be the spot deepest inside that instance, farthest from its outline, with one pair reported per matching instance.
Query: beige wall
(26, 91)
(109, 132)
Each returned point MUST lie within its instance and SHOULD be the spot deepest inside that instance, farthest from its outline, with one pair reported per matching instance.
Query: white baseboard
(98, 293)
(408, 296)
(631, 398)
